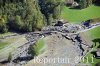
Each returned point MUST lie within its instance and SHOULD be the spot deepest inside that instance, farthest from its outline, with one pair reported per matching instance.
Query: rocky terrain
(62, 41)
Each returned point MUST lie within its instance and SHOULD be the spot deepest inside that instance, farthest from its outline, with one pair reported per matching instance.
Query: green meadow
(95, 33)
(77, 15)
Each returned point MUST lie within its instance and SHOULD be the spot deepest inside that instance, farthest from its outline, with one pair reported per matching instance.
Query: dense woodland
(27, 15)
(30, 15)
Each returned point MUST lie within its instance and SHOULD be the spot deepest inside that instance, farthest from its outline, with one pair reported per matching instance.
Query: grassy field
(10, 45)
(6, 34)
(7, 42)
(77, 16)
(3, 44)
(39, 46)
(94, 34)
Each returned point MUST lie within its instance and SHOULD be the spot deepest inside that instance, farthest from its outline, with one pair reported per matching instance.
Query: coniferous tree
(27, 15)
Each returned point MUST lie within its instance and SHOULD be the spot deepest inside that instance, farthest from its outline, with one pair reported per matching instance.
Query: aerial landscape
(49, 32)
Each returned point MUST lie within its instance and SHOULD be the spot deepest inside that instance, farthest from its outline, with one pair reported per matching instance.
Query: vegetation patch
(95, 33)
(77, 16)
(3, 44)
(39, 45)
(37, 48)
(6, 34)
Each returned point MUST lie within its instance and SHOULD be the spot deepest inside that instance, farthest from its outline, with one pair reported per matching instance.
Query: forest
(27, 15)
